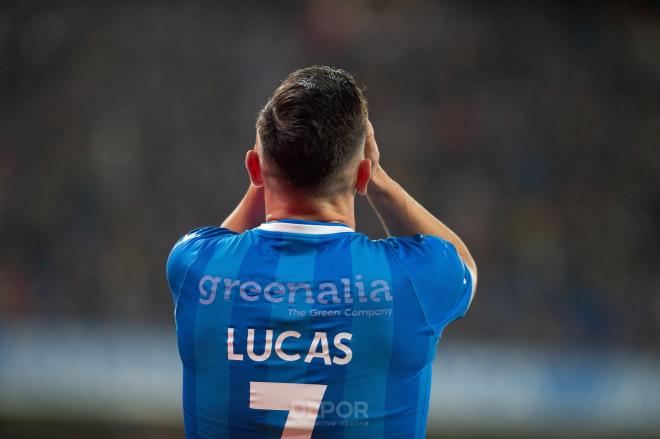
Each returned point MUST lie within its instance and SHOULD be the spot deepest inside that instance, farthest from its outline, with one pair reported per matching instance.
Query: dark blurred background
(531, 128)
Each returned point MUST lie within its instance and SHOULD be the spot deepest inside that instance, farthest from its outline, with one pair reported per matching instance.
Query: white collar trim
(308, 229)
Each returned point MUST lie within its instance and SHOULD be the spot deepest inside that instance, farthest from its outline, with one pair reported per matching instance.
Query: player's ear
(363, 176)
(254, 168)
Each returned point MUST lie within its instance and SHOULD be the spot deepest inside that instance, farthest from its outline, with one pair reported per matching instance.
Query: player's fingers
(370, 129)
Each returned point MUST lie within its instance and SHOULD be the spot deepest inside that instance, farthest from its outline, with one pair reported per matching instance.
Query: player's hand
(371, 148)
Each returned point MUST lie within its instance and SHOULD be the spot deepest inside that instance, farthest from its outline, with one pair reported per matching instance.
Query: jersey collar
(305, 227)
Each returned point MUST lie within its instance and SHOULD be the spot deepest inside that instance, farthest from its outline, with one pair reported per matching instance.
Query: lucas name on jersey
(318, 347)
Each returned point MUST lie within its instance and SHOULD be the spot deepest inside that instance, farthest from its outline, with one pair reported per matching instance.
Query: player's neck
(281, 205)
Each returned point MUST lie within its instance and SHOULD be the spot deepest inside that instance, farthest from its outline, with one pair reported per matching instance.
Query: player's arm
(251, 210)
(249, 213)
(400, 213)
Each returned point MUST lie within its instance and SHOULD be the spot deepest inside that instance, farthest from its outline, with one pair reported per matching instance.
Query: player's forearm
(249, 213)
(402, 215)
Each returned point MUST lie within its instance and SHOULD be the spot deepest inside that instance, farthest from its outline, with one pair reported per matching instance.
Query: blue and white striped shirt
(308, 329)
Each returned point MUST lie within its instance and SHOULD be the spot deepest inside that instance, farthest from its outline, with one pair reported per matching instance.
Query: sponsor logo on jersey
(346, 291)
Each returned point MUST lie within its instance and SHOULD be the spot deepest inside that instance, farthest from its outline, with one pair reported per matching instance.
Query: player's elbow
(472, 268)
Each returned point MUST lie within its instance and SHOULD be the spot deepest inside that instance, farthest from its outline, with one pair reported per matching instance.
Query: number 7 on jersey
(302, 401)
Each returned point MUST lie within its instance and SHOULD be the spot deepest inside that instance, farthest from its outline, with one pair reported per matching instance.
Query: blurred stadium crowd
(533, 129)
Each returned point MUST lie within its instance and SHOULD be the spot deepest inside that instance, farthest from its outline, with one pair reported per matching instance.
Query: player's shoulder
(202, 233)
(441, 280)
(425, 255)
(198, 237)
(416, 252)
(186, 249)
(420, 246)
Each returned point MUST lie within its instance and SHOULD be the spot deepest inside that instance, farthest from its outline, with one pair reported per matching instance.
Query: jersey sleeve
(441, 280)
(185, 252)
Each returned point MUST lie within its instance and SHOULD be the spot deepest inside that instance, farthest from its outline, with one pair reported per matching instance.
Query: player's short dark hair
(312, 126)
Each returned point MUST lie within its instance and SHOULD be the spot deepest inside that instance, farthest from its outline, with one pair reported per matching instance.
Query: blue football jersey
(301, 329)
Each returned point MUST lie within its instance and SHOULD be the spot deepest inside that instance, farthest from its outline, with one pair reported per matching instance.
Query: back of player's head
(313, 126)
